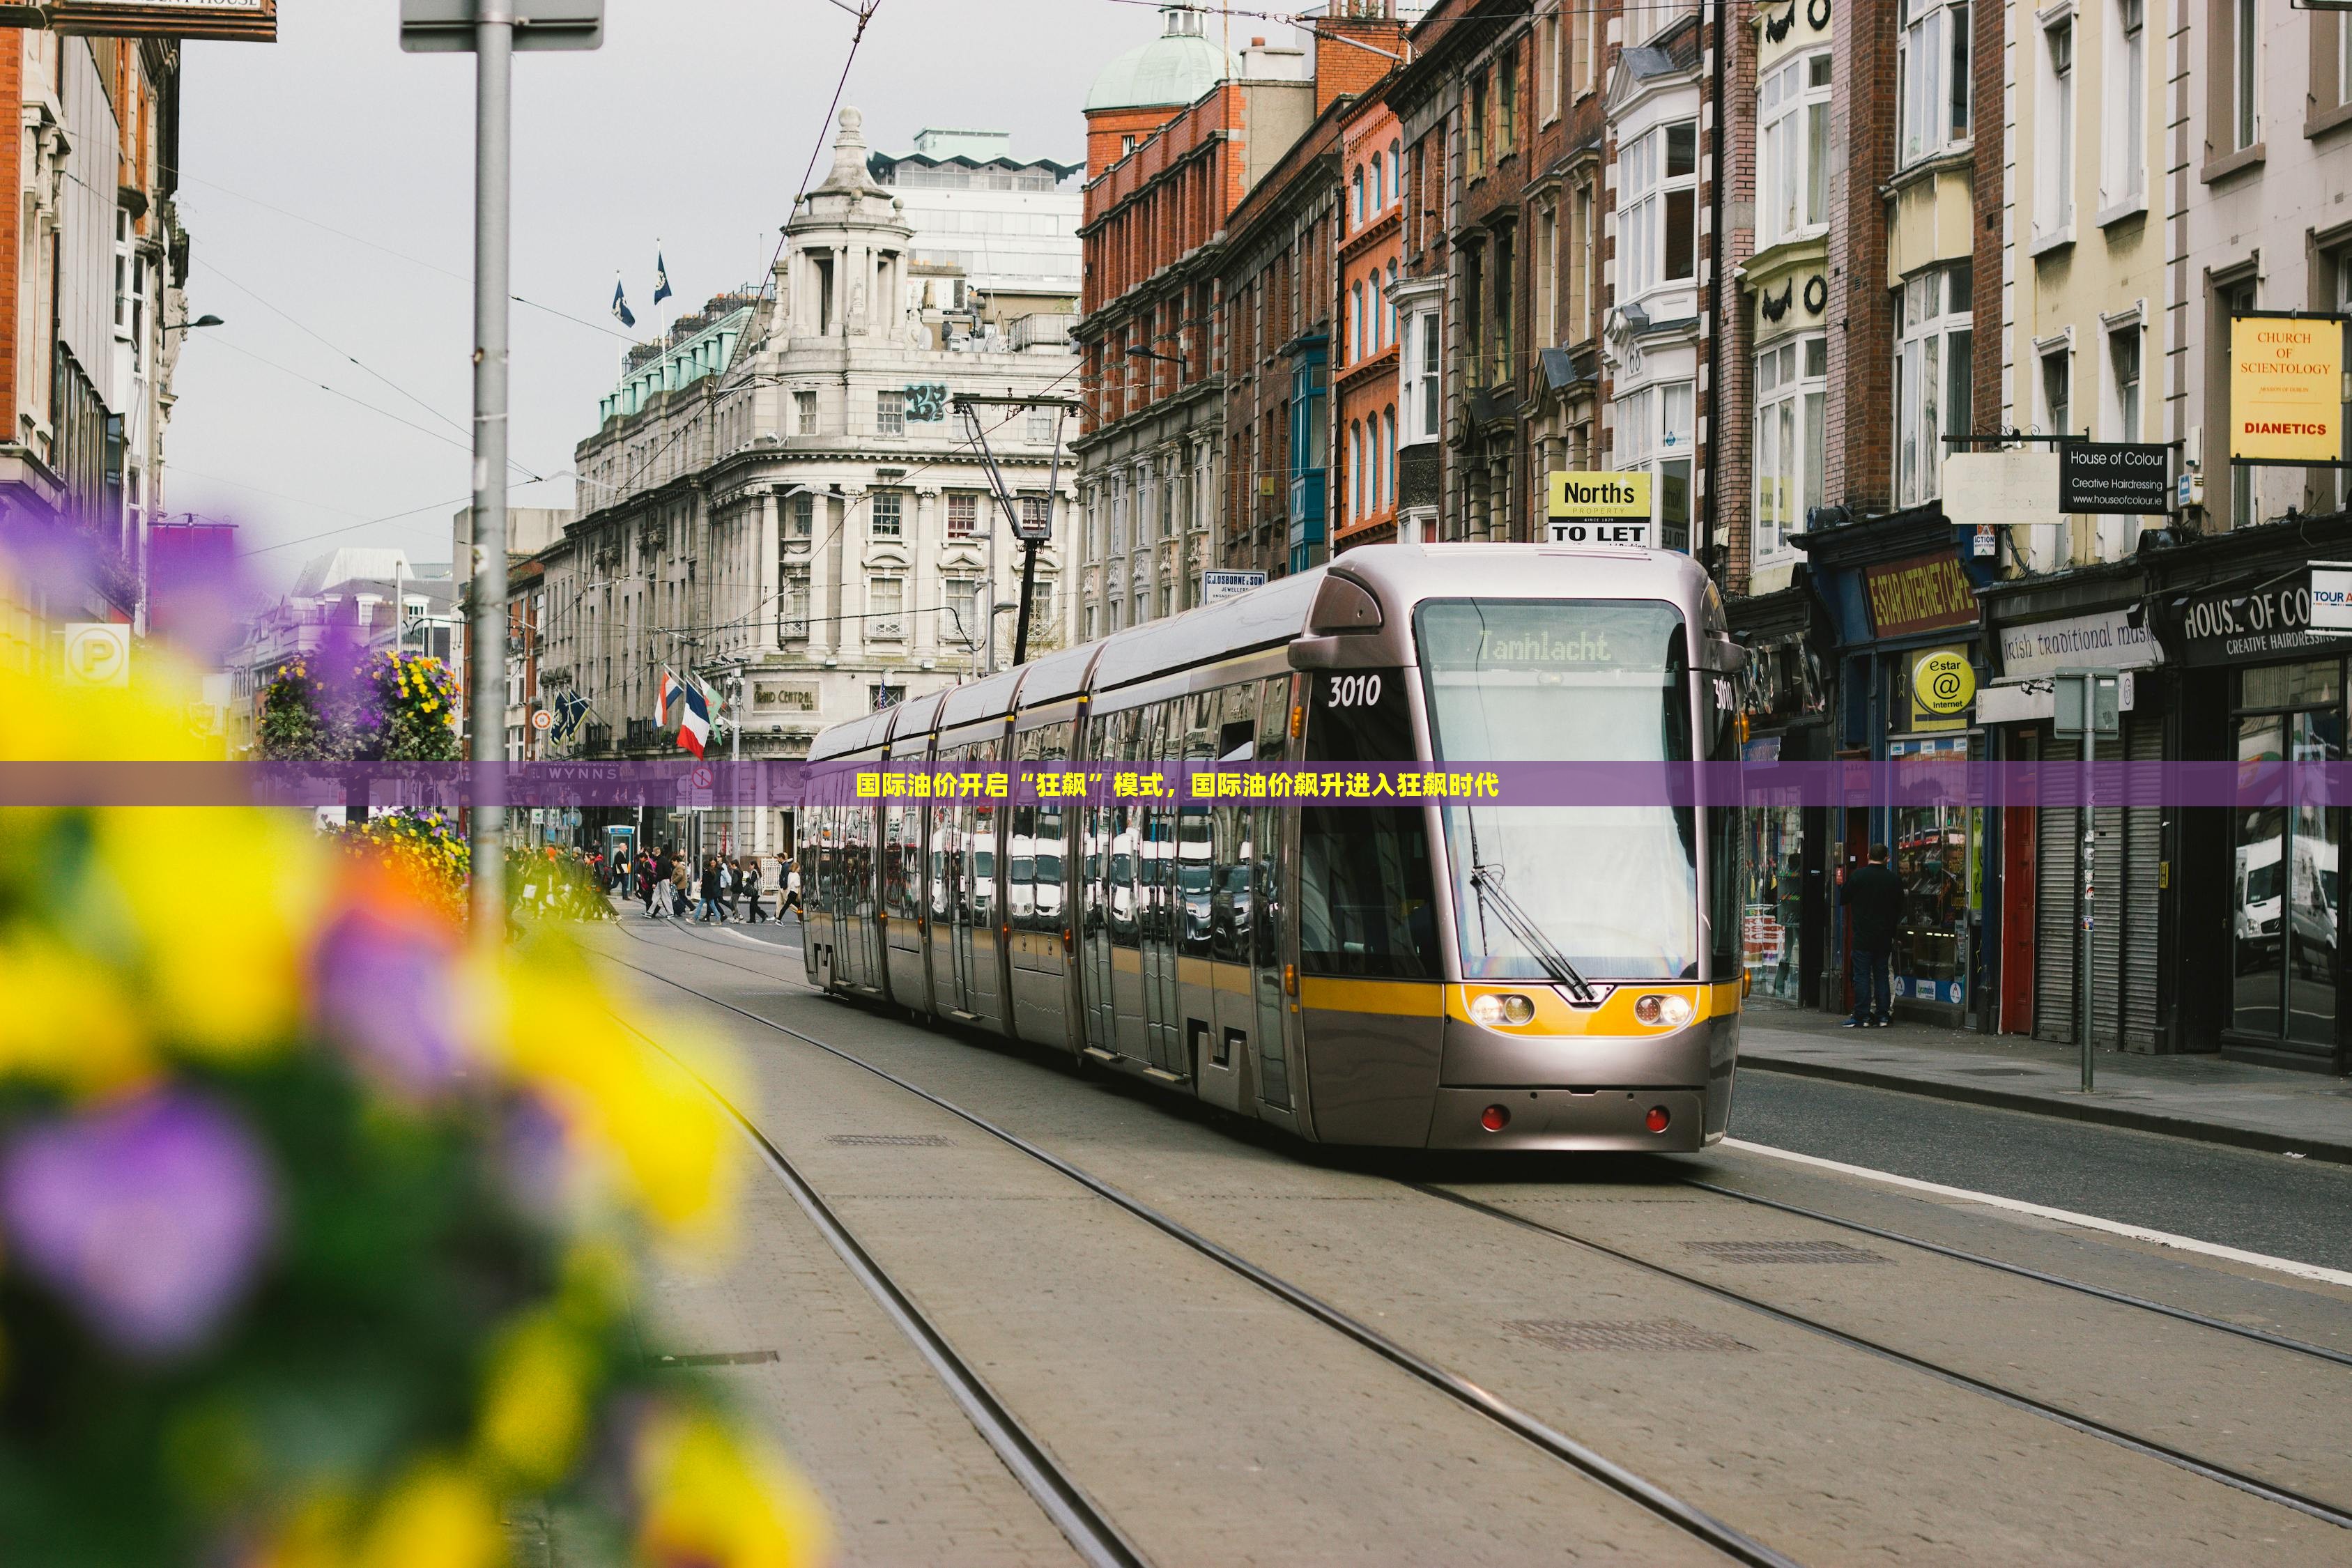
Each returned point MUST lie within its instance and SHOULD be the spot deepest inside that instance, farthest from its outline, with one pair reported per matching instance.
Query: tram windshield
(1613, 889)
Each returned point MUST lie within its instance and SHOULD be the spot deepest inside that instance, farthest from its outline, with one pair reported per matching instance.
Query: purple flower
(384, 991)
(148, 1218)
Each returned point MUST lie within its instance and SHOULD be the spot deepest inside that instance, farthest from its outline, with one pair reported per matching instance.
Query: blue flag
(661, 278)
(621, 305)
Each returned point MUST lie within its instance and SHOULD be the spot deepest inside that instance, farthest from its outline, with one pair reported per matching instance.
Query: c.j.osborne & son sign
(255, 21)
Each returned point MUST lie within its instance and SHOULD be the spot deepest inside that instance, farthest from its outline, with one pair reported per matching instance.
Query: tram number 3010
(1353, 692)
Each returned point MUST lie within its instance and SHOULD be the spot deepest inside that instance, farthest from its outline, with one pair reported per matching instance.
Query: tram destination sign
(2134, 478)
(251, 21)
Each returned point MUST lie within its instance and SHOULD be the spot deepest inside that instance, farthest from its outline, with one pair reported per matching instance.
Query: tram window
(1366, 900)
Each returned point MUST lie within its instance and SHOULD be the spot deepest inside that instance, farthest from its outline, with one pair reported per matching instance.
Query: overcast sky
(693, 125)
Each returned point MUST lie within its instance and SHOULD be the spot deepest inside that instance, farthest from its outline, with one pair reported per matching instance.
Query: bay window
(1657, 185)
(1422, 372)
(1931, 90)
(1933, 390)
(1792, 166)
(1654, 432)
(1791, 426)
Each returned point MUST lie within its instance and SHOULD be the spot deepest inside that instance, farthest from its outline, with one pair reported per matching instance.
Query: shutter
(2143, 851)
(2057, 868)
(2107, 944)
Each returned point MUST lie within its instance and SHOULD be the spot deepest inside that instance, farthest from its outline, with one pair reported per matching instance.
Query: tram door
(1096, 887)
(1185, 989)
(1129, 886)
(1164, 820)
(1270, 938)
(981, 933)
(942, 887)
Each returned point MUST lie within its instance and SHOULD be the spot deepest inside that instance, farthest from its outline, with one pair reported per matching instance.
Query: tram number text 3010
(1353, 692)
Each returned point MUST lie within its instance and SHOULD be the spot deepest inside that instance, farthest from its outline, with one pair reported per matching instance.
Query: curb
(2251, 1138)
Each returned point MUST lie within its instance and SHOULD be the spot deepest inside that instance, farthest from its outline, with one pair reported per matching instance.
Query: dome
(1173, 69)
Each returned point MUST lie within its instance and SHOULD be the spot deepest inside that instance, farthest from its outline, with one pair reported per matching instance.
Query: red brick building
(1364, 354)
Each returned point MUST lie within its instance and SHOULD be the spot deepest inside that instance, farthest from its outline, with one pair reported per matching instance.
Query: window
(1932, 106)
(1356, 198)
(1580, 267)
(1792, 419)
(1475, 129)
(1389, 307)
(1548, 64)
(2236, 300)
(2123, 360)
(1422, 377)
(886, 607)
(1507, 103)
(2057, 403)
(1045, 426)
(1388, 459)
(2054, 175)
(2245, 76)
(1373, 312)
(963, 516)
(2123, 172)
(1657, 195)
(1547, 249)
(1037, 511)
(1379, 186)
(890, 414)
(800, 517)
(793, 607)
(888, 514)
(1126, 145)
(1654, 432)
(959, 625)
(1396, 171)
(1933, 390)
(1355, 469)
(1356, 323)
(1792, 165)
(1580, 53)
(803, 412)
(2343, 59)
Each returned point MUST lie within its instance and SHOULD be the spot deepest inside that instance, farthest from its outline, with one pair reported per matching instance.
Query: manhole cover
(1783, 1252)
(889, 1140)
(1629, 1334)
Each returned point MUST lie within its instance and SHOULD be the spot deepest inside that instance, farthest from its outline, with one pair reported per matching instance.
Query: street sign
(2087, 701)
(2331, 596)
(446, 26)
(1215, 585)
(544, 718)
(98, 653)
(2130, 477)
(1996, 489)
(250, 21)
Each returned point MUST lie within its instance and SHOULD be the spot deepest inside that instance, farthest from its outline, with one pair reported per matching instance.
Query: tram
(1441, 973)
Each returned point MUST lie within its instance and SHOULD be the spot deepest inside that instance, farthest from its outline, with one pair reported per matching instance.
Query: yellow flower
(535, 1403)
(436, 1515)
(712, 1499)
(68, 1020)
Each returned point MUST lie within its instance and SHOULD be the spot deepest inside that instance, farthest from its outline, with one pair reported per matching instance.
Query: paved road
(2269, 1203)
(1216, 1426)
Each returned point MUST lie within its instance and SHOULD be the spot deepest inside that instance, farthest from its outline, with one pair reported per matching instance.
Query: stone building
(784, 500)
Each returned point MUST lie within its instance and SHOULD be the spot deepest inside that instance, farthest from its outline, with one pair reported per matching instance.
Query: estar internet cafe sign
(253, 21)
(2286, 389)
(1600, 508)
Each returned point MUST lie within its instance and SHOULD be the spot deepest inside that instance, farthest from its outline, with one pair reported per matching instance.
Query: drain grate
(1625, 1334)
(715, 1358)
(889, 1140)
(2004, 1072)
(1783, 1252)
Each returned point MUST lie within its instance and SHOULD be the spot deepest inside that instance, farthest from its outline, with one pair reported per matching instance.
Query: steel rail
(2259, 1336)
(1724, 1538)
(2282, 1496)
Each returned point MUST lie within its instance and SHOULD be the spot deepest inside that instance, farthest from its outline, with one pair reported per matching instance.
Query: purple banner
(688, 786)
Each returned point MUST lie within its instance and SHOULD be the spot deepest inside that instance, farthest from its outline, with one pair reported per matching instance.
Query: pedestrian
(726, 888)
(791, 899)
(708, 891)
(751, 889)
(646, 884)
(680, 886)
(1873, 896)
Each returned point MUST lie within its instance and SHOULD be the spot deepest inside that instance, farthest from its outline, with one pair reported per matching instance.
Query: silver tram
(1441, 975)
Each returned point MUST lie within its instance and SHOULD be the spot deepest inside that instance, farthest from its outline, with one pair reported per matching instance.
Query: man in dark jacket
(1874, 902)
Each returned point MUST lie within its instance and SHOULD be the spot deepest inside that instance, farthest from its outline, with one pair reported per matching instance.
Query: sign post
(492, 30)
(2088, 709)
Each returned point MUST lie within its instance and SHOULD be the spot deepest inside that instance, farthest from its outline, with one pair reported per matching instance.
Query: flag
(621, 311)
(661, 278)
(669, 690)
(694, 723)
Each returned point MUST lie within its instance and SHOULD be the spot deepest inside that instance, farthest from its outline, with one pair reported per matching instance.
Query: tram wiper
(1489, 885)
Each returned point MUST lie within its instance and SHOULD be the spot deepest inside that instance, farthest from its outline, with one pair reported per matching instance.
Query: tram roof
(987, 699)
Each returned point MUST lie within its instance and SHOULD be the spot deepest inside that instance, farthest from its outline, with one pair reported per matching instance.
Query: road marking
(2064, 1217)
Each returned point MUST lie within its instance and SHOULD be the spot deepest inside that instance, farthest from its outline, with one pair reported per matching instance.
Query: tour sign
(1600, 508)
(2286, 388)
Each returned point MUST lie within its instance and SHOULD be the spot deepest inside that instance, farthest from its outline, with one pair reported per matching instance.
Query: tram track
(2072, 1420)
(1595, 1466)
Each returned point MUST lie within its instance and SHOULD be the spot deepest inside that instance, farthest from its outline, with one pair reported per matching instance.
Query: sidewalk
(2200, 1096)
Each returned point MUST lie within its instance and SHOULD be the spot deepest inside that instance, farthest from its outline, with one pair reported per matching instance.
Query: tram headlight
(1506, 1009)
(1662, 1012)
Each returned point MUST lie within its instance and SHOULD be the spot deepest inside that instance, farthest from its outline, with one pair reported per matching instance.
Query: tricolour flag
(621, 311)
(694, 723)
(668, 694)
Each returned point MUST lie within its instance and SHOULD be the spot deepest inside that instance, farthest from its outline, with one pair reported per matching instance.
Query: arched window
(1356, 323)
(1356, 470)
(1396, 168)
(1388, 457)
(1379, 183)
(1356, 198)
(1391, 323)
(1375, 317)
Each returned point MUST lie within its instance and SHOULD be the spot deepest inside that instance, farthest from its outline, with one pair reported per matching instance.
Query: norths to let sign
(2286, 389)
(1600, 508)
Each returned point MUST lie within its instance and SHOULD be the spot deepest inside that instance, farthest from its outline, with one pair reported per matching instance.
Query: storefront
(2090, 618)
(1784, 701)
(2262, 965)
(1901, 601)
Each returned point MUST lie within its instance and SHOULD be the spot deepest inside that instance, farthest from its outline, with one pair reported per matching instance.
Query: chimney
(1355, 46)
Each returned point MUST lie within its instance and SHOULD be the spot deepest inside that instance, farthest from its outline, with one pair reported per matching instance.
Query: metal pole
(2087, 930)
(1028, 589)
(493, 134)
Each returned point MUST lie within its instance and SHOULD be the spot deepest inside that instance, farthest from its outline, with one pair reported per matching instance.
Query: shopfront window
(2286, 862)
(1773, 911)
(1935, 852)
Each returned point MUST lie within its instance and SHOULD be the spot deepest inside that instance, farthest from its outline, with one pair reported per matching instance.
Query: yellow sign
(2286, 389)
(1943, 684)
(1601, 495)
(98, 653)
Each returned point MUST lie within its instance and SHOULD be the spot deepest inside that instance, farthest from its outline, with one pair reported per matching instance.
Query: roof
(1172, 69)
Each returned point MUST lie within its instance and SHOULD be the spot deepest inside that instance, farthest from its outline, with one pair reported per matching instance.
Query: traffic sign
(544, 718)
(446, 26)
